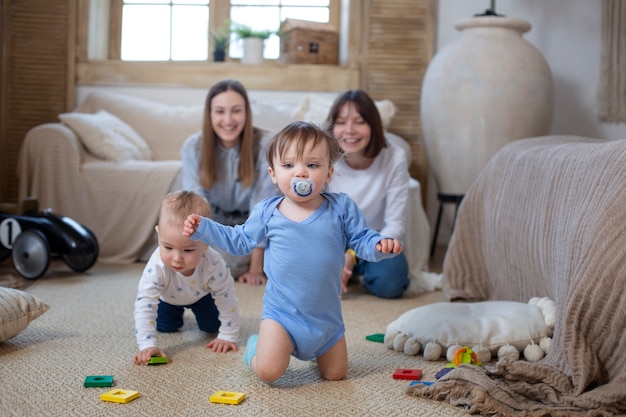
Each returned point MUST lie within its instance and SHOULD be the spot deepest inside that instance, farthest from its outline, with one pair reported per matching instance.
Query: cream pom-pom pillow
(489, 324)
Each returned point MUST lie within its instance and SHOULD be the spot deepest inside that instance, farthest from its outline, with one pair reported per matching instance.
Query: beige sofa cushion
(164, 127)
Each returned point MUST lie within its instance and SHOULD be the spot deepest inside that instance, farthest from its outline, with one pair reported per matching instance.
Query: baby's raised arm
(389, 246)
(191, 225)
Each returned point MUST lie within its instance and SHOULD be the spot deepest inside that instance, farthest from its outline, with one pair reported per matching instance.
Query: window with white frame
(178, 30)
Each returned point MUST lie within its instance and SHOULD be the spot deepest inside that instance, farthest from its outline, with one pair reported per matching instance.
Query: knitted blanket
(546, 217)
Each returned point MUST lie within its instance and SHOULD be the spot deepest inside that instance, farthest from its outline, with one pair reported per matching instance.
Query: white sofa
(119, 199)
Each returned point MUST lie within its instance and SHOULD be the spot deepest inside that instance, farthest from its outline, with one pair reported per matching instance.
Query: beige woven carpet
(89, 331)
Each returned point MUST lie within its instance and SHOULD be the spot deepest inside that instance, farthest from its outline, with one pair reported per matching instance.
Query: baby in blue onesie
(306, 232)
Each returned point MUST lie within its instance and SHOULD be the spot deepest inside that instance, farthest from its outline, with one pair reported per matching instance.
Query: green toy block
(376, 337)
(99, 381)
(157, 360)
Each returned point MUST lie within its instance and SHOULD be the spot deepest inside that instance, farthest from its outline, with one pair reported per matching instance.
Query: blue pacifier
(302, 186)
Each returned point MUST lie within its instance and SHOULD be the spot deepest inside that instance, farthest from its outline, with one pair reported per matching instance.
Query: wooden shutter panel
(38, 43)
(398, 46)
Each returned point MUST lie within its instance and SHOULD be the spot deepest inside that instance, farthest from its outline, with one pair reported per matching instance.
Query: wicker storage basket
(305, 42)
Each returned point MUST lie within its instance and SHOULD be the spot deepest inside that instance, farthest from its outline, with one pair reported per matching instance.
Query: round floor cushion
(489, 324)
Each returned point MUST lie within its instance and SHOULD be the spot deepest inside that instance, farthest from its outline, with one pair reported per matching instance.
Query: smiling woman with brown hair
(376, 176)
(226, 163)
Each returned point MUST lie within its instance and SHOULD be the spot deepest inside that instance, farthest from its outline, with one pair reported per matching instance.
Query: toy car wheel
(31, 254)
(82, 258)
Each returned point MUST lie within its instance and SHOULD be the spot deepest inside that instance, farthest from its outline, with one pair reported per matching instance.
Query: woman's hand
(255, 275)
(222, 346)
(143, 357)
(253, 279)
(346, 274)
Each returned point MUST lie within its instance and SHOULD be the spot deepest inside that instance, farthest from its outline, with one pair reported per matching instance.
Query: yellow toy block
(119, 395)
(226, 397)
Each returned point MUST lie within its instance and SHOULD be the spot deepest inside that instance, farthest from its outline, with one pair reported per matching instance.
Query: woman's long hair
(249, 140)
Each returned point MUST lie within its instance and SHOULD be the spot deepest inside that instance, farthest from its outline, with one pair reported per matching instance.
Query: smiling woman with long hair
(225, 162)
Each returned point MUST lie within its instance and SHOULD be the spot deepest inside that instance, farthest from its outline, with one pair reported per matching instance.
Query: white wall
(568, 34)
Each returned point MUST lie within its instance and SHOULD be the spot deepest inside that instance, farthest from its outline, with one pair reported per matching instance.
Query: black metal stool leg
(433, 245)
(445, 198)
(456, 211)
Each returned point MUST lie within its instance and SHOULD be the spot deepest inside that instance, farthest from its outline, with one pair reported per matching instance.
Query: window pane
(259, 18)
(166, 1)
(255, 2)
(200, 2)
(307, 2)
(145, 33)
(146, 1)
(190, 28)
(158, 30)
(314, 14)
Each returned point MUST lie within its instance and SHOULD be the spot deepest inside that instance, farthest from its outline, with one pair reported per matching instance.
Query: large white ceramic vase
(480, 92)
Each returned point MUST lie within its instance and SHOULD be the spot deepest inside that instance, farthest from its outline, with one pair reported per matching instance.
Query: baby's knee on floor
(333, 374)
(267, 373)
(268, 370)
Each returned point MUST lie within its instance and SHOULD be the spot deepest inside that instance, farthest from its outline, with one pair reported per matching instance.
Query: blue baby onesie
(303, 263)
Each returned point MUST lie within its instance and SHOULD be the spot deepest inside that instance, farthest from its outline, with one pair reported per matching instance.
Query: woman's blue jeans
(388, 278)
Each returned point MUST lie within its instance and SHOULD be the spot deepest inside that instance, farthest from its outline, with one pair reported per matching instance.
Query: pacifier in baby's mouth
(302, 186)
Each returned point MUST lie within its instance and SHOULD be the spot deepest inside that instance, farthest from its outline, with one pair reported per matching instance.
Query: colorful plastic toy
(119, 395)
(376, 337)
(427, 383)
(31, 238)
(157, 360)
(226, 397)
(402, 373)
(98, 381)
(463, 355)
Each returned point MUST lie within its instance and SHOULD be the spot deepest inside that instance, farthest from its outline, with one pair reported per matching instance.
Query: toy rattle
(463, 355)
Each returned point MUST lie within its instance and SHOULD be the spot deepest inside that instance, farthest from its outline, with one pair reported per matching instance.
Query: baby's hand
(389, 246)
(191, 224)
(219, 345)
(144, 356)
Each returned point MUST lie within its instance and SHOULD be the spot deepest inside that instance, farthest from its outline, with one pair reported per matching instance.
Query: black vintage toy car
(33, 237)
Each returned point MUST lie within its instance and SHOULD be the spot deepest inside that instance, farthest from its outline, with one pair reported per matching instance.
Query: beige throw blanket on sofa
(546, 217)
(124, 231)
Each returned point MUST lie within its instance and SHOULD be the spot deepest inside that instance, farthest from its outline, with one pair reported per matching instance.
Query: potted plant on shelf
(253, 42)
(220, 44)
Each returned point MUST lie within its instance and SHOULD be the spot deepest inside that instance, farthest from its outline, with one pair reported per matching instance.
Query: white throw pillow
(164, 127)
(107, 137)
(314, 108)
(17, 309)
(492, 324)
